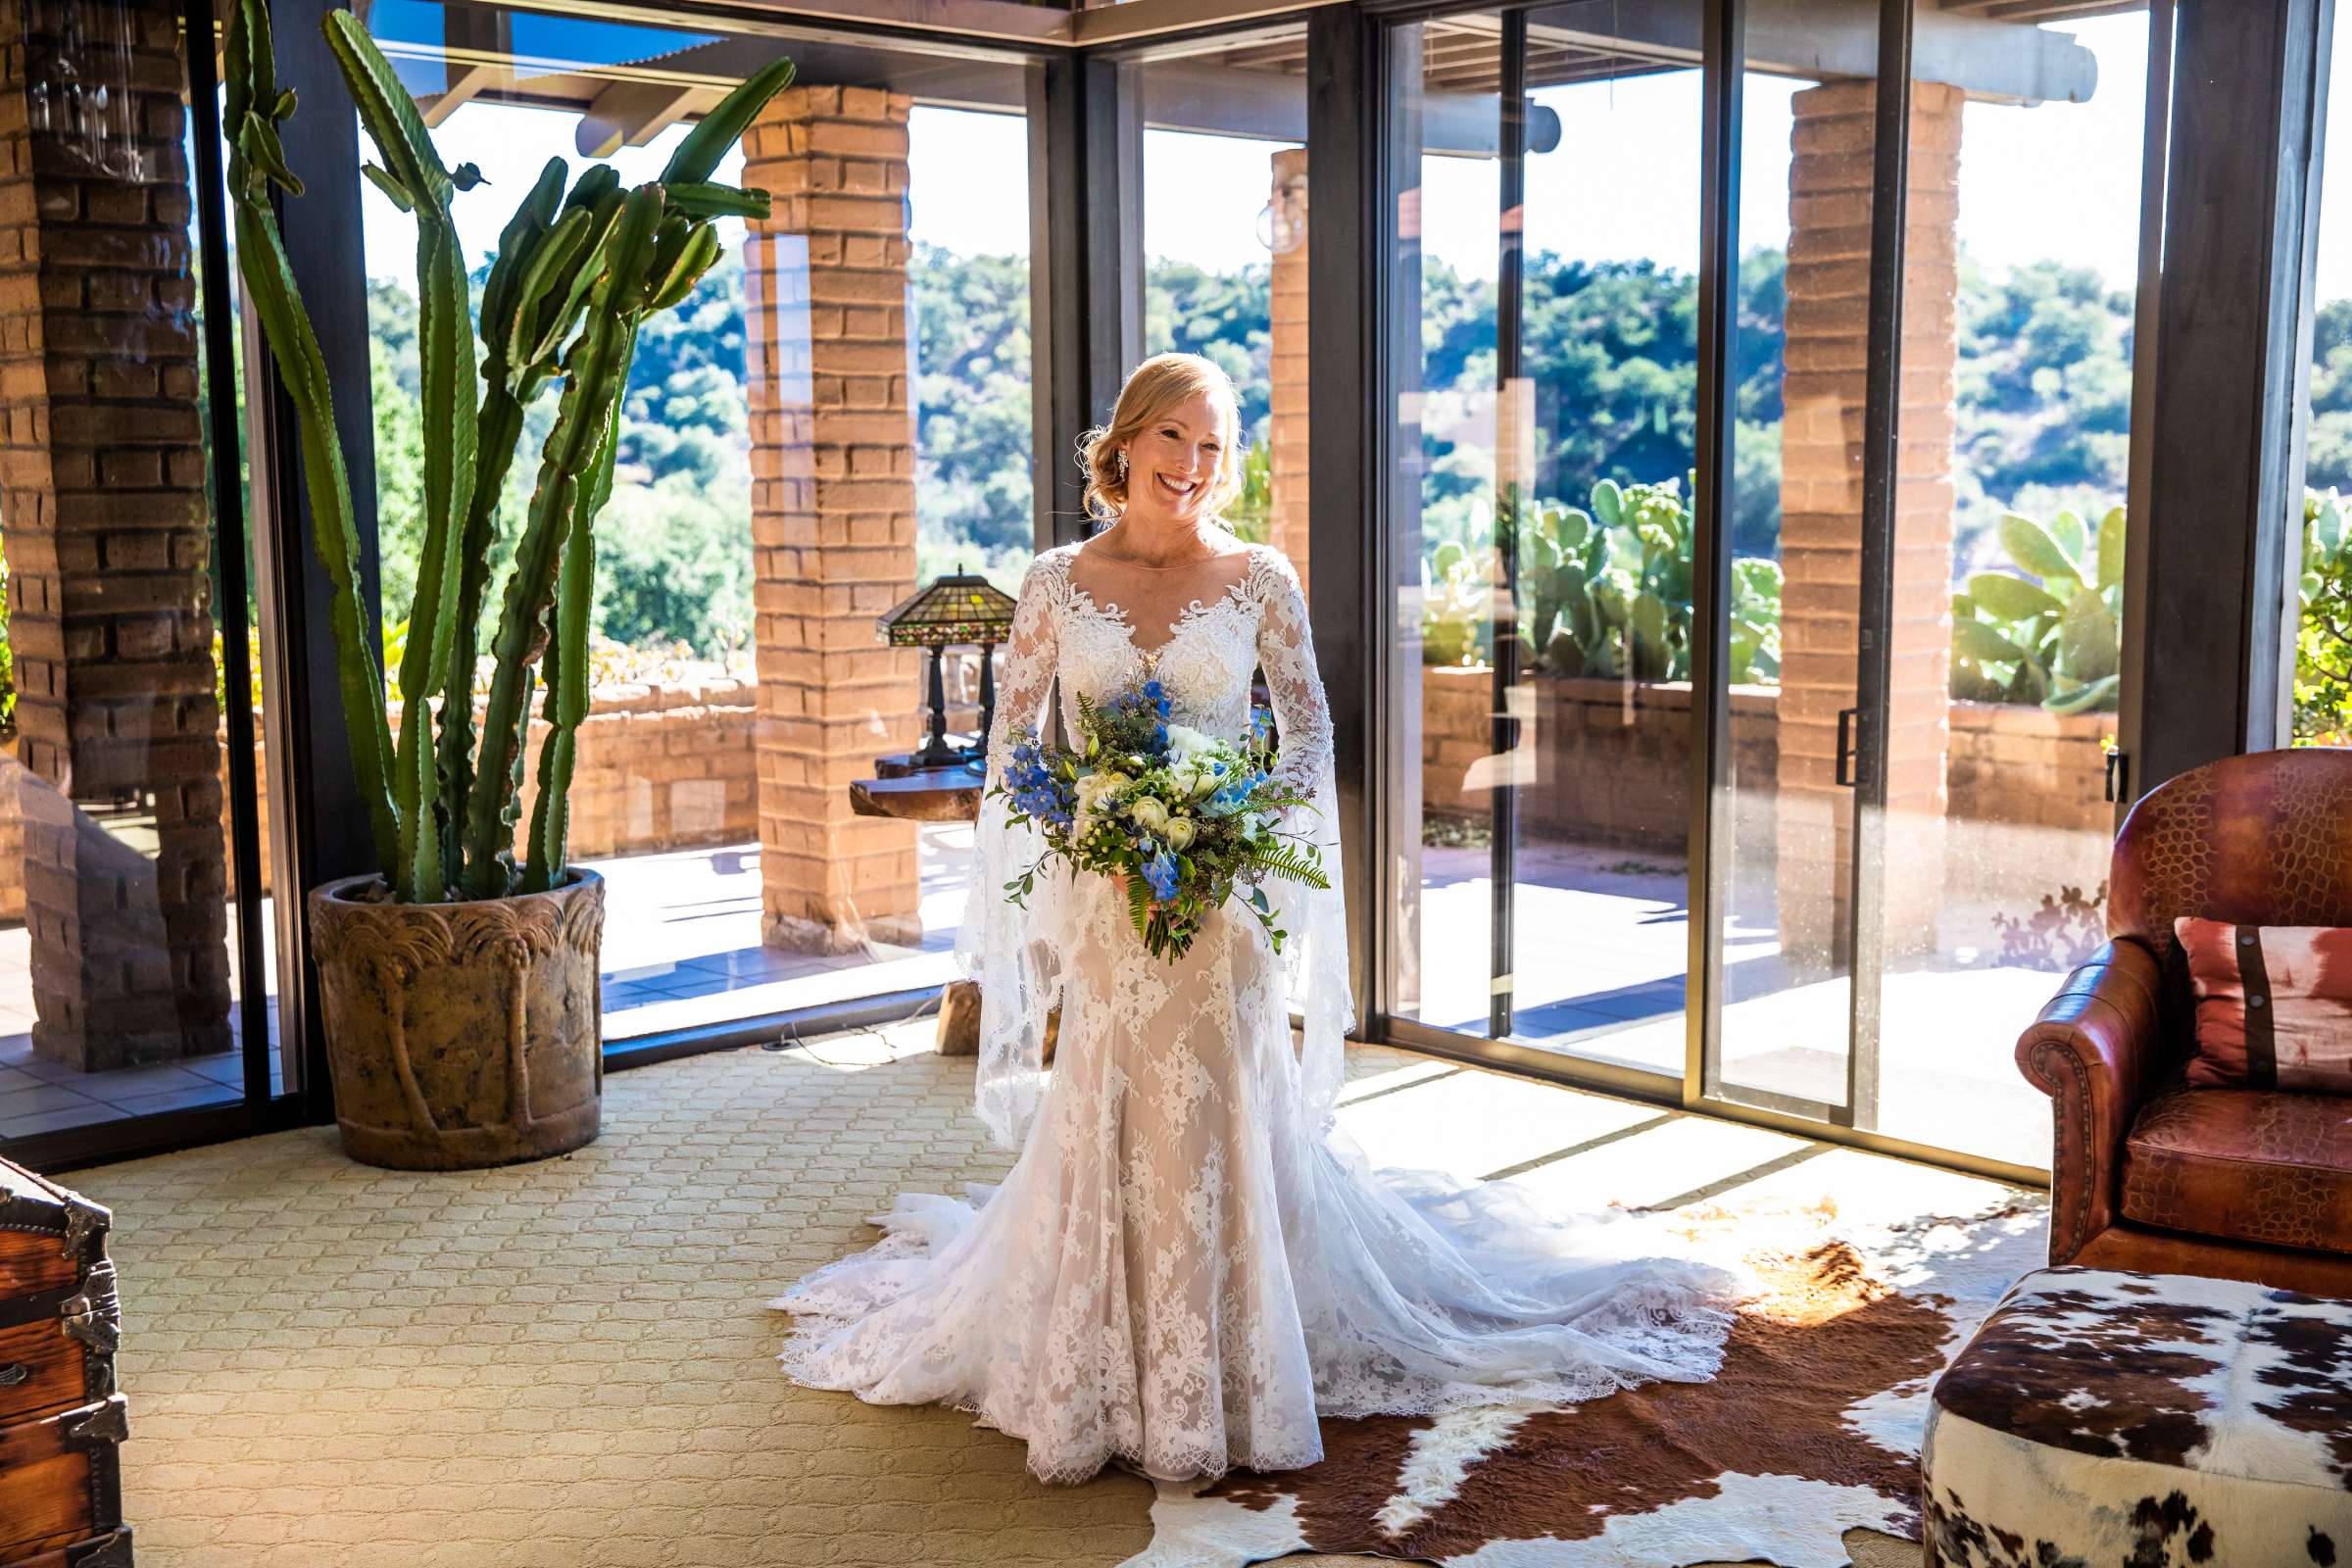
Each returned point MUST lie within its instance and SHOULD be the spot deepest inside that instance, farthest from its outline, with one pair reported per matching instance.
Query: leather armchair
(2146, 1172)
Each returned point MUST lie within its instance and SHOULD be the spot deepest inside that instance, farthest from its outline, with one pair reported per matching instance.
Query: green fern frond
(1288, 862)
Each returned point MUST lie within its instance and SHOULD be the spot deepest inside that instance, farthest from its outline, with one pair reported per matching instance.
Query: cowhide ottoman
(2157, 1419)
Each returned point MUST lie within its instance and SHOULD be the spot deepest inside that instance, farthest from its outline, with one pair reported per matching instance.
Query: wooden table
(932, 794)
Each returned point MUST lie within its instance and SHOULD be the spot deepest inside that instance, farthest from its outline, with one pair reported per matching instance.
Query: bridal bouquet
(1186, 820)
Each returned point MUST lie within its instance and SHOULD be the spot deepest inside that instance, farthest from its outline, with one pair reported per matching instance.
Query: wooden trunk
(61, 1420)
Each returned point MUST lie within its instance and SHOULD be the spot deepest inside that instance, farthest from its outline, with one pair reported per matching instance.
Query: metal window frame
(1085, 270)
(229, 541)
(318, 825)
(2207, 674)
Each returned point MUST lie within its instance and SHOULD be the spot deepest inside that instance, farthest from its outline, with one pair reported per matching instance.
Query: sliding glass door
(2003, 578)
(1544, 531)
(1798, 326)
(1763, 605)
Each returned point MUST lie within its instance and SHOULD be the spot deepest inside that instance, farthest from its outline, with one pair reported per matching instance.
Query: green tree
(972, 407)
(2043, 388)
(1227, 318)
(673, 564)
(2329, 457)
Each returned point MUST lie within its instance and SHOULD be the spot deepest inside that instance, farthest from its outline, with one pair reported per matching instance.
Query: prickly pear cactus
(2050, 631)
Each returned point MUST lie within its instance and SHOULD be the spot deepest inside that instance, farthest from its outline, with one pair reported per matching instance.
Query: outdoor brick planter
(1611, 759)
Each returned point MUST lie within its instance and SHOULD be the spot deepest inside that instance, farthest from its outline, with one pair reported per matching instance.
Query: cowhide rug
(1812, 1428)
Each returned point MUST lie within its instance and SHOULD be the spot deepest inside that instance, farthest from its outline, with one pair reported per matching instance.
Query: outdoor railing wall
(1610, 760)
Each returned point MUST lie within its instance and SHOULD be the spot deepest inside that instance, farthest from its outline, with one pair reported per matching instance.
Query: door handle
(1850, 722)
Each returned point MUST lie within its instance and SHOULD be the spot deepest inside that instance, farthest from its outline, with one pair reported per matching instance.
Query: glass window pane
(1794, 510)
(1448, 266)
(839, 411)
(1595, 438)
(2008, 569)
(119, 920)
(1224, 232)
(2322, 678)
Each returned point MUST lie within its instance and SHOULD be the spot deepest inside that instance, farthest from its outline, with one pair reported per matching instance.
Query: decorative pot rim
(355, 892)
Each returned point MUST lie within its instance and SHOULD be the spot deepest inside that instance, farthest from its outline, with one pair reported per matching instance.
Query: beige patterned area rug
(1811, 1430)
(568, 1364)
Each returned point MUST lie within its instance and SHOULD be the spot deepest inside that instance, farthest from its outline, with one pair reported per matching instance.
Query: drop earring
(1120, 457)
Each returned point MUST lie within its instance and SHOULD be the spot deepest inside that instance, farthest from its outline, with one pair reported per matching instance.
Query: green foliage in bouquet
(580, 267)
(1189, 821)
(2051, 632)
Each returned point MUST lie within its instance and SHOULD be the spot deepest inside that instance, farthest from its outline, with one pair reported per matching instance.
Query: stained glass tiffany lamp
(958, 611)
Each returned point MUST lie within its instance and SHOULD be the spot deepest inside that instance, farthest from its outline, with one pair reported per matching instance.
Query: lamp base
(939, 753)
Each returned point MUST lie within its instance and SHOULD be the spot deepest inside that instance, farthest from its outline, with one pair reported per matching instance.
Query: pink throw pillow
(2273, 1005)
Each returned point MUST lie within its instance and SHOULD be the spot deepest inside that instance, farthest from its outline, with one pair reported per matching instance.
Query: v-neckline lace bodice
(1075, 643)
(1083, 603)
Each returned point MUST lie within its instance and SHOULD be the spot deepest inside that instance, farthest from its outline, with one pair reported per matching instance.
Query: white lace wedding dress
(1190, 1261)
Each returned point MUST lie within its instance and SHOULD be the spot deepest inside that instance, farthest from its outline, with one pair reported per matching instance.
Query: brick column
(102, 480)
(1286, 435)
(1821, 517)
(832, 511)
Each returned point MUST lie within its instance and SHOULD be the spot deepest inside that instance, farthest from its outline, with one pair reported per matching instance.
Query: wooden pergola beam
(467, 81)
(631, 114)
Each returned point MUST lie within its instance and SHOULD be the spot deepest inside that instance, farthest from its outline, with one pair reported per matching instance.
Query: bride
(1190, 1261)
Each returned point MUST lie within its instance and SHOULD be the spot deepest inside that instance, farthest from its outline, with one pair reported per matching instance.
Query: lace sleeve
(1315, 950)
(1286, 652)
(1019, 976)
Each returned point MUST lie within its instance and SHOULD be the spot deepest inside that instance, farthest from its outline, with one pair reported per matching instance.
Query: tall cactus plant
(577, 272)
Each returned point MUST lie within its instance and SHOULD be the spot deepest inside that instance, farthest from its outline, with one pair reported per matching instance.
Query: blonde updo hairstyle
(1152, 388)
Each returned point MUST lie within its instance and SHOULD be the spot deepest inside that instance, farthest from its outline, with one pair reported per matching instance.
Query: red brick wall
(1287, 420)
(1828, 324)
(1611, 764)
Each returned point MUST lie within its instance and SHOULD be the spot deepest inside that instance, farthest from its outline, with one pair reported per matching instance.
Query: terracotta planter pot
(461, 1035)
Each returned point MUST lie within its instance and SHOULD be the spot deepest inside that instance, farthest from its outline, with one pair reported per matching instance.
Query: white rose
(1090, 793)
(1112, 784)
(1150, 814)
(1180, 833)
(1206, 782)
(1184, 741)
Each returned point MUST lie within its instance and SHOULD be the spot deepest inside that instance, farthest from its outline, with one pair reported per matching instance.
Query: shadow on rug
(1811, 1429)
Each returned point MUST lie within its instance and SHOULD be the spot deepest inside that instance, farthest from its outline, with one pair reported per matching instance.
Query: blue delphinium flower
(1161, 872)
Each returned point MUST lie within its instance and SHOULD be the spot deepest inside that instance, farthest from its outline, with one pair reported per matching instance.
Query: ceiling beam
(1818, 40)
(1267, 106)
(2043, 9)
(1007, 22)
(1132, 21)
